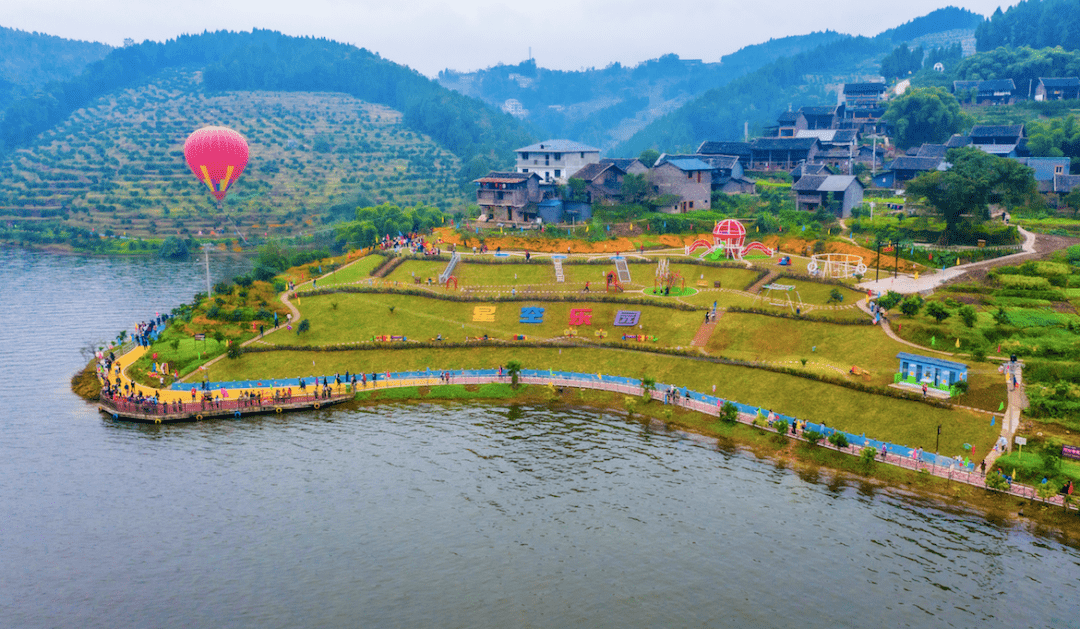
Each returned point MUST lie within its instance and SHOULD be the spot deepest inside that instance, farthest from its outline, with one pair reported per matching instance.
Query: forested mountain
(1033, 23)
(603, 107)
(267, 60)
(808, 78)
(30, 60)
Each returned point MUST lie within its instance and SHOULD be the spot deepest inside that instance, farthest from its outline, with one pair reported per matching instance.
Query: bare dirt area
(1045, 245)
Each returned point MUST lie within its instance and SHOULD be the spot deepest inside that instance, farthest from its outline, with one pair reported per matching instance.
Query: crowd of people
(412, 242)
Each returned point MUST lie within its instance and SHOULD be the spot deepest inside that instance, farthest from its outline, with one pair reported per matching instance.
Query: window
(583, 155)
(1059, 169)
(558, 156)
(558, 173)
(689, 175)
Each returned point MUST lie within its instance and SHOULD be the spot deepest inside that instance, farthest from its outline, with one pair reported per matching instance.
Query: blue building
(936, 373)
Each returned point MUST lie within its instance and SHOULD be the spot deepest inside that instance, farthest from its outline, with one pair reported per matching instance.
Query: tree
(996, 480)
(965, 190)
(1001, 317)
(576, 190)
(304, 326)
(921, 115)
(911, 305)
(635, 188)
(648, 385)
(938, 311)
(219, 337)
(174, 249)
(649, 157)
(729, 413)
(513, 368)
(968, 315)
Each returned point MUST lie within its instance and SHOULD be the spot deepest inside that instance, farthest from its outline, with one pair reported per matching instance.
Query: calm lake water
(443, 516)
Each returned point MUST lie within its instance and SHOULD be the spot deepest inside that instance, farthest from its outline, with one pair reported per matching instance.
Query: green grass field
(358, 317)
(354, 273)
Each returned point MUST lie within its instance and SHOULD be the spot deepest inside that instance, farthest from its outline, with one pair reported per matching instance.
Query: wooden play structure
(666, 279)
(780, 295)
(613, 282)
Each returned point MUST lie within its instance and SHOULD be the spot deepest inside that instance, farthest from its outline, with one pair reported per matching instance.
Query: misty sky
(430, 35)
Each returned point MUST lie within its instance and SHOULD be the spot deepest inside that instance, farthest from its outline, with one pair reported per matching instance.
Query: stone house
(509, 197)
(815, 191)
(1058, 88)
(689, 180)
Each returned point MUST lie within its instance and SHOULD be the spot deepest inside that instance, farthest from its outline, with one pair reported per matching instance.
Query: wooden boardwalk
(219, 409)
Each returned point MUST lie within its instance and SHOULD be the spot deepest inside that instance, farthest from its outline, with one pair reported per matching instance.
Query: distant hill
(605, 107)
(30, 60)
(1034, 23)
(808, 78)
(267, 60)
(117, 166)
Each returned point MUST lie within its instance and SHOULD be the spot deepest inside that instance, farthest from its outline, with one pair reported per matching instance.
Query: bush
(889, 300)
(839, 440)
(968, 315)
(304, 326)
(235, 351)
(781, 426)
(812, 436)
(729, 413)
(911, 305)
(937, 310)
(867, 456)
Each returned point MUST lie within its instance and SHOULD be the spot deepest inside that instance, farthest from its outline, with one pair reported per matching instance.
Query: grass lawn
(772, 339)
(909, 423)
(356, 272)
(358, 317)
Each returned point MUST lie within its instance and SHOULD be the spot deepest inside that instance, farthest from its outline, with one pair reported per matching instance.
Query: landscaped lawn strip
(909, 423)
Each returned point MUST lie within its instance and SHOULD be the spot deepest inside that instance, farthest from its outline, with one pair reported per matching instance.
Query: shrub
(839, 440)
(968, 315)
(781, 426)
(812, 436)
(304, 326)
(996, 480)
(889, 300)
(937, 310)
(911, 305)
(729, 413)
(867, 456)
(235, 351)
(630, 403)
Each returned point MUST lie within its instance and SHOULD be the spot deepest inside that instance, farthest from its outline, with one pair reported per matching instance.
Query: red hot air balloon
(217, 156)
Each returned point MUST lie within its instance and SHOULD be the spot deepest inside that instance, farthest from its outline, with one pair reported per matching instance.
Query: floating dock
(219, 409)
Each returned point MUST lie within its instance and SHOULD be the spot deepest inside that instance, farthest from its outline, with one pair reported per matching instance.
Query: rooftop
(558, 146)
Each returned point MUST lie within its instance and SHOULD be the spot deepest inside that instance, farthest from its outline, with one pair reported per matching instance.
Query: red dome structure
(731, 234)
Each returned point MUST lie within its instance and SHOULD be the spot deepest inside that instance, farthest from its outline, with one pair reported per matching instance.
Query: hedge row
(460, 297)
(784, 314)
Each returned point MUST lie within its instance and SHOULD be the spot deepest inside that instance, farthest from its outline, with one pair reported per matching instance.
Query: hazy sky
(430, 35)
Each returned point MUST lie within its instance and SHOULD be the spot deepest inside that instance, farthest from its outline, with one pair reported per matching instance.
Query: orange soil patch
(557, 245)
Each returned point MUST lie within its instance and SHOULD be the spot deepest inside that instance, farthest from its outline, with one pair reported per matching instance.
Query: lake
(463, 515)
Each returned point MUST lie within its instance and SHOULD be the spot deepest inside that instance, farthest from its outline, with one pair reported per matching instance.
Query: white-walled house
(556, 160)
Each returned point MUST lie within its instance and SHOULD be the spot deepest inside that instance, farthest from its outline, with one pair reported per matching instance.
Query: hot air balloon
(217, 156)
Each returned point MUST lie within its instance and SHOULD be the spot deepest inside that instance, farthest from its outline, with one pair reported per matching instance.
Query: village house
(740, 150)
(630, 166)
(839, 193)
(1057, 88)
(555, 160)
(837, 146)
(819, 117)
(994, 92)
(907, 167)
(1046, 169)
(862, 106)
(782, 153)
(689, 180)
(727, 173)
(603, 181)
(509, 197)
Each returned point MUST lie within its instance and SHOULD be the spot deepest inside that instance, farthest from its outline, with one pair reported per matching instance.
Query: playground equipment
(729, 236)
(858, 371)
(697, 244)
(449, 271)
(666, 278)
(784, 290)
(785, 261)
(452, 278)
(836, 265)
(613, 282)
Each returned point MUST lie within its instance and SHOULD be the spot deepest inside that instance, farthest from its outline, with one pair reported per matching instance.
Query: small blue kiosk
(935, 373)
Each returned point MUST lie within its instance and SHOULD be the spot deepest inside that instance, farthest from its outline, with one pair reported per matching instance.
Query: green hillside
(117, 165)
(807, 78)
(28, 61)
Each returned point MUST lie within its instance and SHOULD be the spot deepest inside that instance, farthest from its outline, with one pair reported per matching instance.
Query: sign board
(1020, 441)
(1071, 452)
(200, 337)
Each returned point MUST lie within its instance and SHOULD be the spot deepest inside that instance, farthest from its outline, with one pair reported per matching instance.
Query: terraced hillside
(118, 167)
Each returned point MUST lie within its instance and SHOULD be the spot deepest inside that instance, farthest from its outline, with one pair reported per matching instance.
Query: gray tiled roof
(996, 131)
(1060, 82)
(558, 146)
(906, 162)
(783, 144)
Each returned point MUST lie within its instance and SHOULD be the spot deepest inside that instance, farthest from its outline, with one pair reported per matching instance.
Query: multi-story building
(556, 160)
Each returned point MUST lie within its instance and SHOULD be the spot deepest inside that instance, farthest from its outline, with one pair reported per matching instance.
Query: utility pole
(896, 259)
(877, 272)
(206, 255)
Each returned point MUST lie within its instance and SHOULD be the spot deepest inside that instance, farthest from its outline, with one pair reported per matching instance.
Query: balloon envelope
(217, 156)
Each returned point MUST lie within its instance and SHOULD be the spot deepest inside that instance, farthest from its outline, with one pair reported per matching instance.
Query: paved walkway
(906, 284)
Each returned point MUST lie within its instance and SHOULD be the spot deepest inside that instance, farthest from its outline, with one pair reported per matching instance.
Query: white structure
(836, 265)
(513, 107)
(556, 160)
